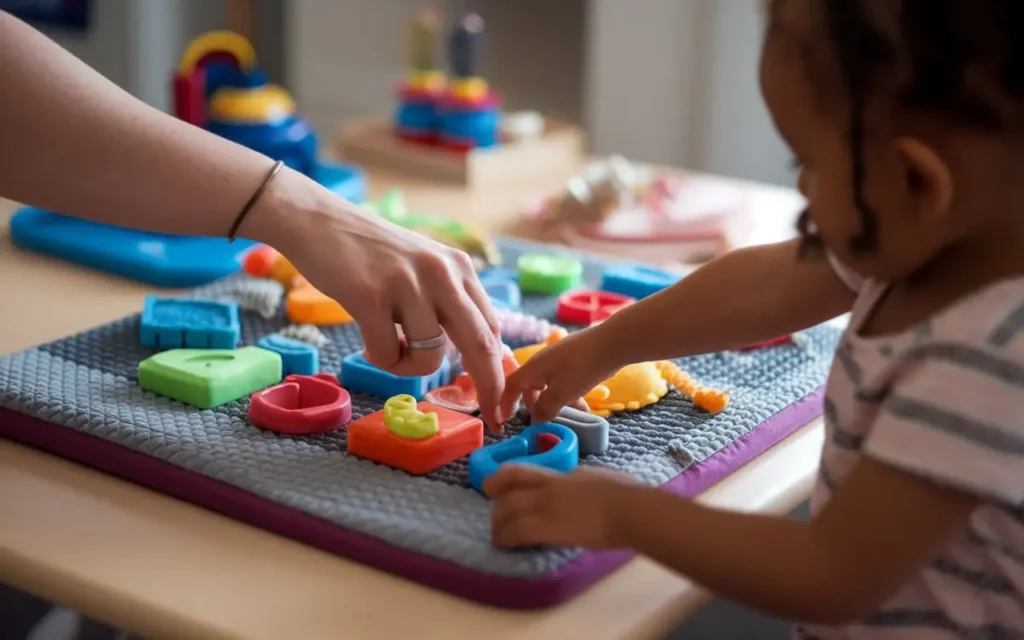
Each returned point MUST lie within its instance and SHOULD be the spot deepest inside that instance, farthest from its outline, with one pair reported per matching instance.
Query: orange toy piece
(522, 354)
(260, 261)
(284, 272)
(307, 305)
(458, 436)
(266, 262)
(710, 400)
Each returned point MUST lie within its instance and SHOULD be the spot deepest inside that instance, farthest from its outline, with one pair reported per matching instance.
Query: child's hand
(560, 374)
(536, 506)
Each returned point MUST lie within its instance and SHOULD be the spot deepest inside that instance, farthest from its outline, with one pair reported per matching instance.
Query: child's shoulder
(991, 318)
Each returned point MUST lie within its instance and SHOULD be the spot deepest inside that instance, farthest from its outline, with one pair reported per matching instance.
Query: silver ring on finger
(433, 343)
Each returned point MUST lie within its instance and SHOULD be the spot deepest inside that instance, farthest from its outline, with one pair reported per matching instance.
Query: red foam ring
(547, 442)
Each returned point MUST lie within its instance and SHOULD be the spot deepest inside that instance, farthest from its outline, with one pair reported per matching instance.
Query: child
(907, 121)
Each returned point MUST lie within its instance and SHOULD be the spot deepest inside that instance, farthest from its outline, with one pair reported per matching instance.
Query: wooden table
(166, 569)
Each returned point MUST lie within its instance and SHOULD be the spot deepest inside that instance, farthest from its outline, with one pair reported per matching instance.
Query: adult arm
(73, 142)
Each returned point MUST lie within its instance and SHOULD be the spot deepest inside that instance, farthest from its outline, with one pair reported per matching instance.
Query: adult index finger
(480, 349)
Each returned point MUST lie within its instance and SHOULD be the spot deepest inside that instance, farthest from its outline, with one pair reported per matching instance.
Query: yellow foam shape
(213, 42)
(639, 385)
(403, 419)
(262, 104)
(305, 304)
(632, 387)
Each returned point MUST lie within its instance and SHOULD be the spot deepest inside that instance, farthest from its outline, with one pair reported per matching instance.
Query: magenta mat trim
(508, 593)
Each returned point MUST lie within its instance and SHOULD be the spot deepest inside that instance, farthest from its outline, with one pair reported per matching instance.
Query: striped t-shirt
(943, 400)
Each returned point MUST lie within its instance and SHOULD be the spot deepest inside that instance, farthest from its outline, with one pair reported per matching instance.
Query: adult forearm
(74, 142)
(746, 296)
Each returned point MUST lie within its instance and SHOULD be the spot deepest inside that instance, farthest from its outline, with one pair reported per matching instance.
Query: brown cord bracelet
(240, 218)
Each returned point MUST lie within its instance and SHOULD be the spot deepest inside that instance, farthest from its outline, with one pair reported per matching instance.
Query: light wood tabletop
(166, 569)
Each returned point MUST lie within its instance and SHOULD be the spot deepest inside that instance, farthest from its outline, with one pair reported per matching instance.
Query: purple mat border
(507, 593)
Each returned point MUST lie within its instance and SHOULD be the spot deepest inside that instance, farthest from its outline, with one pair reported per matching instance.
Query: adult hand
(383, 274)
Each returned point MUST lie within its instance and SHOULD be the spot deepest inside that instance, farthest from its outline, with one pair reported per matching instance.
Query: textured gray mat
(88, 382)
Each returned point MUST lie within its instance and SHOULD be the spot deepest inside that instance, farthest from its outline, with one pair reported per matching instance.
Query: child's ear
(928, 180)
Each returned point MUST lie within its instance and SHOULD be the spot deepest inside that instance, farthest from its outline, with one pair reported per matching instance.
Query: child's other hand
(537, 506)
(560, 374)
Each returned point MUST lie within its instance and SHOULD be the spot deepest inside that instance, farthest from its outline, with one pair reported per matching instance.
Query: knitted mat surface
(79, 397)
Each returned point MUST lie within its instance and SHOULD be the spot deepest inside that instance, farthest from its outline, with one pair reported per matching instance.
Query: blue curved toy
(564, 457)
(297, 357)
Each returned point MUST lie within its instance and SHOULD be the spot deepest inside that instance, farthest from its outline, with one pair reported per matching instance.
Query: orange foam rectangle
(459, 435)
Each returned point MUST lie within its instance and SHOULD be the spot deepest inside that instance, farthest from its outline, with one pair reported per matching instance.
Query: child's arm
(746, 296)
(73, 142)
(879, 529)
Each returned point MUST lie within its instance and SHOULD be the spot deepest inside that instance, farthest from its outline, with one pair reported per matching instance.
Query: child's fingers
(525, 531)
(517, 503)
(521, 381)
(551, 401)
(512, 477)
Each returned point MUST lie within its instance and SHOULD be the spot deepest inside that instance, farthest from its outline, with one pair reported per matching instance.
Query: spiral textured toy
(523, 328)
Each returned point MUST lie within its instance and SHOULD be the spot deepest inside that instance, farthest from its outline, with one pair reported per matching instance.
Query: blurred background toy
(616, 207)
(450, 126)
(218, 87)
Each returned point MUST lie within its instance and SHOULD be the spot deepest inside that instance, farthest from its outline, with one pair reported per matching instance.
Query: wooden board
(374, 145)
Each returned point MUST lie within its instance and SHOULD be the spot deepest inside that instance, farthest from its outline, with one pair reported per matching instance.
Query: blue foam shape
(358, 375)
(156, 259)
(176, 323)
(498, 274)
(297, 357)
(637, 281)
(504, 294)
(564, 457)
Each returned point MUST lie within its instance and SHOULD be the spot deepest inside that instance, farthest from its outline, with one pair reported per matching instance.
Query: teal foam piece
(173, 323)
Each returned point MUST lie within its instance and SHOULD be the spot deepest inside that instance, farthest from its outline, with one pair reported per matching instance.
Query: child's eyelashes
(796, 164)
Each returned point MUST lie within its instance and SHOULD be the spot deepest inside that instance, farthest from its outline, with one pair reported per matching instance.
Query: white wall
(675, 81)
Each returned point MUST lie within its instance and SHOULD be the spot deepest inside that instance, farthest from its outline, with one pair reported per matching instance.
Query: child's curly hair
(960, 62)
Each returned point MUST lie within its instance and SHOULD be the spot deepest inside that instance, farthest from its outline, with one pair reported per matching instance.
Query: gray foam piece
(88, 382)
(591, 430)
